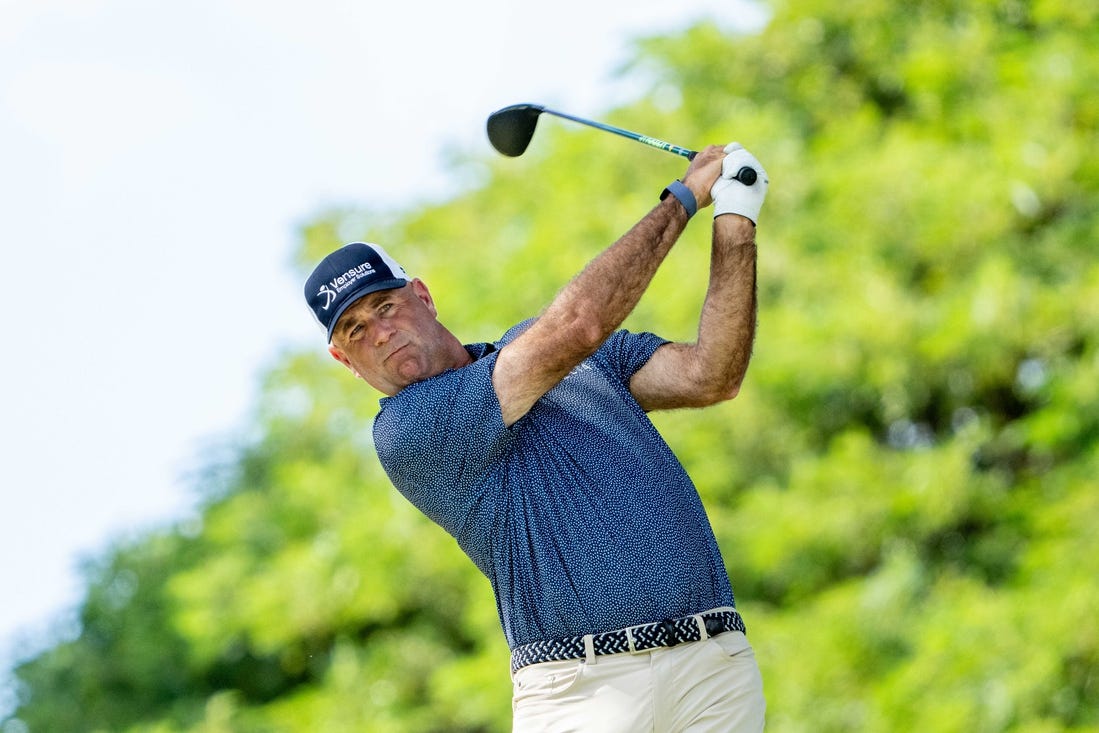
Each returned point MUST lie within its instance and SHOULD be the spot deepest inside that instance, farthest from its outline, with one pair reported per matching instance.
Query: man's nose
(382, 332)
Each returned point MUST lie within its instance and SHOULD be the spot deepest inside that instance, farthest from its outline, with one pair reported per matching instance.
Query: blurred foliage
(905, 489)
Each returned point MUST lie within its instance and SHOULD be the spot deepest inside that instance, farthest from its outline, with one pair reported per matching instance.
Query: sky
(156, 162)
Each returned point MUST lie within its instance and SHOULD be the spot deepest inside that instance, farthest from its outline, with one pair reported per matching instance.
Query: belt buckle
(631, 640)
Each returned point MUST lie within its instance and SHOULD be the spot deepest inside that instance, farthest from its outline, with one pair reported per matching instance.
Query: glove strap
(683, 194)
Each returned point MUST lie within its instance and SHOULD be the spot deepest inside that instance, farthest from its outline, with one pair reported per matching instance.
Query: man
(536, 454)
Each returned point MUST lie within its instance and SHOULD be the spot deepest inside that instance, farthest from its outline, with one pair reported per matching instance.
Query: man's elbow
(713, 393)
(580, 329)
(730, 392)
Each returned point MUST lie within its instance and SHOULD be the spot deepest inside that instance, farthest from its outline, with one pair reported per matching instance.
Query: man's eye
(355, 333)
(385, 307)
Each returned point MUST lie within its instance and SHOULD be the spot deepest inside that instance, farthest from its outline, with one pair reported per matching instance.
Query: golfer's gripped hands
(733, 197)
(703, 173)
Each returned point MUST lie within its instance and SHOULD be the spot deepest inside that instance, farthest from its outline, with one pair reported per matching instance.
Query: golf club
(511, 129)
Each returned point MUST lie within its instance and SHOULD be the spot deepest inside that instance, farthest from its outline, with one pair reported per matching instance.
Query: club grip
(745, 175)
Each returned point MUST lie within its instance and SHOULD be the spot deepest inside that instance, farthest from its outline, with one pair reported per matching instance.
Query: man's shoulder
(512, 333)
(430, 429)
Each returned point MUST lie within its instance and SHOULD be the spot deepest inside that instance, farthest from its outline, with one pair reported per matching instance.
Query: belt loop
(589, 649)
(629, 640)
(703, 634)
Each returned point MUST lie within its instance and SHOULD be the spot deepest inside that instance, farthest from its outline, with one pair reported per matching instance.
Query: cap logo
(342, 282)
(329, 295)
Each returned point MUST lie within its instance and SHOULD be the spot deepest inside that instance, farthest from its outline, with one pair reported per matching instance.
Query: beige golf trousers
(697, 687)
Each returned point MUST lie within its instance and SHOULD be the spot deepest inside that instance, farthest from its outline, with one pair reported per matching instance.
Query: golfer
(536, 454)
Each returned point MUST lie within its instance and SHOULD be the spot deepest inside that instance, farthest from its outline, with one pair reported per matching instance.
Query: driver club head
(511, 129)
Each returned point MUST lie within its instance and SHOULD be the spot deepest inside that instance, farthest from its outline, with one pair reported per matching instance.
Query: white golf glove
(730, 195)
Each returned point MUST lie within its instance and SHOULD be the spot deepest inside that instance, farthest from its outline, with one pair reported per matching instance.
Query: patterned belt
(633, 639)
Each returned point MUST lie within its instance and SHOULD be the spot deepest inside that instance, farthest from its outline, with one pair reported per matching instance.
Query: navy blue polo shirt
(579, 514)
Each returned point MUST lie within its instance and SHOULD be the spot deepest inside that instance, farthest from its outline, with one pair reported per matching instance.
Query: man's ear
(420, 290)
(341, 358)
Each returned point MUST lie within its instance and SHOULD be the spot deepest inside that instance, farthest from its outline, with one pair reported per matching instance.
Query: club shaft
(650, 141)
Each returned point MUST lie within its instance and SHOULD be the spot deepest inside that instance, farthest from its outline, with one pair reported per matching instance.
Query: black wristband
(683, 195)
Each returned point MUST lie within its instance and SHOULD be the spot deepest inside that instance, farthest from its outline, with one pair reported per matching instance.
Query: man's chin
(409, 372)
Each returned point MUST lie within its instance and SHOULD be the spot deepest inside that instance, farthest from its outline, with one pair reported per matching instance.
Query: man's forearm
(727, 326)
(605, 292)
(595, 302)
(585, 312)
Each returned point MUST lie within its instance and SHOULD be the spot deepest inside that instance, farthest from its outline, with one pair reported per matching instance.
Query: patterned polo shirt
(579, 514)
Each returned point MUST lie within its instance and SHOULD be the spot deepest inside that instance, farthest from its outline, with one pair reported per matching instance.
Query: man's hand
(703, 173)
(730, 196)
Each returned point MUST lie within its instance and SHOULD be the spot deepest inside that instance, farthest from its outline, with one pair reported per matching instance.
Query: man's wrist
(683, 194)
(736, 227)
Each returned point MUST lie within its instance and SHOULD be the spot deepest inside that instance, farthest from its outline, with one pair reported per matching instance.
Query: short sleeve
(627, 352)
